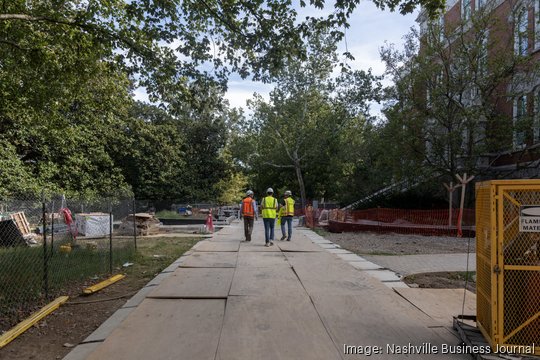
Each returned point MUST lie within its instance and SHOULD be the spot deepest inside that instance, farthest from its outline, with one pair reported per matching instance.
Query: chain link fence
(49, 246)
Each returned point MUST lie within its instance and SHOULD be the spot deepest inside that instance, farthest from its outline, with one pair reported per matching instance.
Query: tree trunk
(300, 182)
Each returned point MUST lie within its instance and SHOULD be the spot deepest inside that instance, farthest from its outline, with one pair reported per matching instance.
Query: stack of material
(93, 224)
(146, 224)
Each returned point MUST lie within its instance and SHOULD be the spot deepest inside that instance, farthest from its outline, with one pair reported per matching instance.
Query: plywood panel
(166, 329)
(440, 304)
(323, 273)
(257, 246)
(195, 283)
(210, 259)
(215, 246)
(380, 319)
(268, 281)
(301, 245)
(260, 327)
(261, 259)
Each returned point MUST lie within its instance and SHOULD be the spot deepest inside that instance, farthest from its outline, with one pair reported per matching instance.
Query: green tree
(449, 85)
(304, 125)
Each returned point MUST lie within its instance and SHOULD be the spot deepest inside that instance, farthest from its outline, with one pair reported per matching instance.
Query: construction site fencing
(52, 246)
(401, 221)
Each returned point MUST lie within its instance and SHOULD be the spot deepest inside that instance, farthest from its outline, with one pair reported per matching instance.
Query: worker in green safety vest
(269, 205)
(287, 209)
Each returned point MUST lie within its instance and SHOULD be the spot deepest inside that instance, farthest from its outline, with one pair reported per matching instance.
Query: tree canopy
(302, 137)
(69, 68)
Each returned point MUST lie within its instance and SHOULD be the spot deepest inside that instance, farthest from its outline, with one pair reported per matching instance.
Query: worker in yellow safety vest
(248, 211)
(269, 205)
(287, 206)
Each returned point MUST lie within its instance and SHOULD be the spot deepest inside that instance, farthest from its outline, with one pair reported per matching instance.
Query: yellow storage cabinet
(508, 262)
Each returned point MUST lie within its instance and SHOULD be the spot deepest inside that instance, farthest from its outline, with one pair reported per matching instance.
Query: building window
(483, 57)
(521, 38)
(466, 9)
(441, 27)
(480, 4)
(520, 121)
(536, 118)
(537, 24)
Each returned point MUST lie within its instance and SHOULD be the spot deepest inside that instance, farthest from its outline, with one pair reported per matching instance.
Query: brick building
(514, 28)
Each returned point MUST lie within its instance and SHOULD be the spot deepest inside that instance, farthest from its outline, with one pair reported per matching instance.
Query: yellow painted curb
(95, 288)
(21, 327)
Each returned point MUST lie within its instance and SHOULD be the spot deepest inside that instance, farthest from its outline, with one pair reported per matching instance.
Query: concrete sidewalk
(227, 299)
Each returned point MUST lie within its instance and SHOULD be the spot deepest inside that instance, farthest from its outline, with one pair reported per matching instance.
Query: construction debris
(10, 235)
(145, 224)
(93, 224)
(20, 220)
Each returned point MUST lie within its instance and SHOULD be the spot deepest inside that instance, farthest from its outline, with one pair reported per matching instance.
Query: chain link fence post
(110, 237)
(135, 223)
(45, 256)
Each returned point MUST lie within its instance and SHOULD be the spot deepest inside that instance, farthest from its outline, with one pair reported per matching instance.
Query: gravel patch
(368, 243)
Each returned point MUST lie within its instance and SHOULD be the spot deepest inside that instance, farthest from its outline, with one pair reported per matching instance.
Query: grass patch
(154, 255)
(382, 253)
(320, 231)
(22, 270)
(463, 275)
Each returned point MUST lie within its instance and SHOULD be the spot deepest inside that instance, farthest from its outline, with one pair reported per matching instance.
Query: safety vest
(289, 206)
(247, 207)
(269, 207)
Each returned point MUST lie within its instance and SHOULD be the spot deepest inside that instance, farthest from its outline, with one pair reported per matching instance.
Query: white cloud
(239, 91)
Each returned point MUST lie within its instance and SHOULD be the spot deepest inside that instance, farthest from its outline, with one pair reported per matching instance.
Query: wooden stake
(450, 187)
(464, 180)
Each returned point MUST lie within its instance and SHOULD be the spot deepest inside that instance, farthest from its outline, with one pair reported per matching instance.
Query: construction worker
(248, 211)
(269, 207)
(288, 213)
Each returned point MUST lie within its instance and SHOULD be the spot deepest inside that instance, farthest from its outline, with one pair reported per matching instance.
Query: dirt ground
(443, 280)
(56, 335)
(368, 243)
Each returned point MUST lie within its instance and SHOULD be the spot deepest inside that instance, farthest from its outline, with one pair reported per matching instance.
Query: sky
(370, 29)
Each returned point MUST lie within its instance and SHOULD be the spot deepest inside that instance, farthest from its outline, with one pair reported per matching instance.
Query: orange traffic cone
(209, 222)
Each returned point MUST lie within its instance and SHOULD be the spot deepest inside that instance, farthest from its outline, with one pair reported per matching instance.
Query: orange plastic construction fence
(402, 221)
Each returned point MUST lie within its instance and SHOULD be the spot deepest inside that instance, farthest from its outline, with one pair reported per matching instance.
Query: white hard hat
(288, 193)
(249, 192)
(269, 191)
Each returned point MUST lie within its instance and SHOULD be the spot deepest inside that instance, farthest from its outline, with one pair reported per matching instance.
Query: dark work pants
(248, 227)
(287, 220)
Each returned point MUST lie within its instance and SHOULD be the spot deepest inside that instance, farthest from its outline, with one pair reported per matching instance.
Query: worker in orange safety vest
(248, 211)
